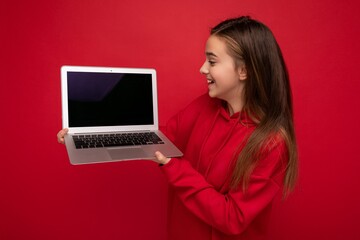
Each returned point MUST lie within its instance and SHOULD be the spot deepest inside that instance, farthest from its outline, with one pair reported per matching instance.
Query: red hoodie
(201, 204)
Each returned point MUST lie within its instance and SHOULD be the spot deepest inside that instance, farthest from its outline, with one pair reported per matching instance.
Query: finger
(161, 158)
(60, 138)
(61, 134)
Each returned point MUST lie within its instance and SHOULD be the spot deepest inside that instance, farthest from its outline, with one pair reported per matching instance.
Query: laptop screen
(97, 99)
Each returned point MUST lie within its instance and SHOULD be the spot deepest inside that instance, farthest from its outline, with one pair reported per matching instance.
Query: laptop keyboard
(116, 140)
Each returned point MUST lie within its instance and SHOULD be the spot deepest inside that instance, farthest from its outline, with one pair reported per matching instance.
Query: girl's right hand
(61, 134)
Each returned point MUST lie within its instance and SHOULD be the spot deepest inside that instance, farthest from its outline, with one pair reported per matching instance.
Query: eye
(212, 63)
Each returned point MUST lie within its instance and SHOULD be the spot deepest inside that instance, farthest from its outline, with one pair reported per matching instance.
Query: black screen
(109, 99)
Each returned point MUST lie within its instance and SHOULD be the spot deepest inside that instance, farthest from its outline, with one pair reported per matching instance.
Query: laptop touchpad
(126, 153)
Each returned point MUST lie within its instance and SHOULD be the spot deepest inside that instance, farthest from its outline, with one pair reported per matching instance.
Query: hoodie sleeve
(179, 127)
(232, 212)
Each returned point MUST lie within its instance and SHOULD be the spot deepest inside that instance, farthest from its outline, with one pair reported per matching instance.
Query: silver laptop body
(101, 105)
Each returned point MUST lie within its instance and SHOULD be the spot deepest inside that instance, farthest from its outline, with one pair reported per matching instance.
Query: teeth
(210, 81)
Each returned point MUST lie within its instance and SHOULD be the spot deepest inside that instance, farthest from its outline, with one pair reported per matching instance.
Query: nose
(204, 69)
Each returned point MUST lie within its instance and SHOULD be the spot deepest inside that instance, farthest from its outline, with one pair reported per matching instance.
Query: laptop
(111, 114)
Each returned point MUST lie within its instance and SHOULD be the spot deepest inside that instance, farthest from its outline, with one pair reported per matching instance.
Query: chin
(214, 95)
(211, 94)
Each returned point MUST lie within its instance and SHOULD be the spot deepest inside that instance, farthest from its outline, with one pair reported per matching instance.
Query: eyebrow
(210, 54)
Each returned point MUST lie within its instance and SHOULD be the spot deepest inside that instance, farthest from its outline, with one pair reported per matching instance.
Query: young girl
(238, 140)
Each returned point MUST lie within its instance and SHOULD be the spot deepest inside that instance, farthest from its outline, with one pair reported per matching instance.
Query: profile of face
(225, 80)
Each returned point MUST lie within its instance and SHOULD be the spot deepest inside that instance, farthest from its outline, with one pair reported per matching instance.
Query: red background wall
(42, 196)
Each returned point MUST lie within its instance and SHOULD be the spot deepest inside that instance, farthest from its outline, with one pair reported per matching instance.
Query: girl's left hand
(161, 159)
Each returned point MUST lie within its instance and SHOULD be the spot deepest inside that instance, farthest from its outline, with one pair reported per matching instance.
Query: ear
(242, 72)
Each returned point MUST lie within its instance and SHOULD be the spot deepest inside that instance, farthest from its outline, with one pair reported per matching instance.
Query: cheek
(218, 73)
(226, 76)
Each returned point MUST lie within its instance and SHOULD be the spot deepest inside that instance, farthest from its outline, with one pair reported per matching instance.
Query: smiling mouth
(210, 81)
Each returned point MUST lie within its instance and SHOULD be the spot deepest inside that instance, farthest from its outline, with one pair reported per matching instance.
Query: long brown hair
(267, 95)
